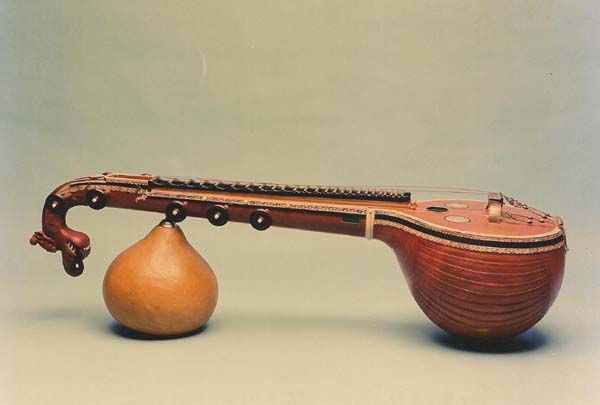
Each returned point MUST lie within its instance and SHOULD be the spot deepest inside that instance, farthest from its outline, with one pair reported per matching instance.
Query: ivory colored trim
(369, 223)
(488, 249)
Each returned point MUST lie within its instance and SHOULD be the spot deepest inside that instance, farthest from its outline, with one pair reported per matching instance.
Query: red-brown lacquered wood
(475, 278)
(476, 294)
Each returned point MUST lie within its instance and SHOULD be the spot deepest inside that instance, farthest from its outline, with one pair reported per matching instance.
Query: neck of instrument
(342, 210)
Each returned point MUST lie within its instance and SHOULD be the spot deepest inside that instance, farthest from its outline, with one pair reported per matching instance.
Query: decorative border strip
(519, 248)
(255, 203)
(69, 189)
(447, 231)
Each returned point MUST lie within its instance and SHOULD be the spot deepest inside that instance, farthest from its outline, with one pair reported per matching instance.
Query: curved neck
(320, 208)
(341, 210)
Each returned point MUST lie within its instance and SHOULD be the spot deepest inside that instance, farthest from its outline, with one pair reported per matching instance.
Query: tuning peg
(260, 220)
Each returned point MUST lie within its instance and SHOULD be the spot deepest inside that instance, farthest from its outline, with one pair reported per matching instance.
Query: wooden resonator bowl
(161, 285)
(484, 269)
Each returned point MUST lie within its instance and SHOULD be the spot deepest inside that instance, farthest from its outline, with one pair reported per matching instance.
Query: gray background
(493, 95)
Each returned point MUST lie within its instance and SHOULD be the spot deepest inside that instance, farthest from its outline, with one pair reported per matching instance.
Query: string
(395, 189)
(428, 189)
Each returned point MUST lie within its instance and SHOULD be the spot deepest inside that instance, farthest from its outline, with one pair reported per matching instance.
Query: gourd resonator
(477, 268)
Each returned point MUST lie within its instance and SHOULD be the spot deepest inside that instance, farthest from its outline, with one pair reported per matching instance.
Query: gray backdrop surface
(490, 95)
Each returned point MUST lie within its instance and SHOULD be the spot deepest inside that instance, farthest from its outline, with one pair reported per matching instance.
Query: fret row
(378, 194)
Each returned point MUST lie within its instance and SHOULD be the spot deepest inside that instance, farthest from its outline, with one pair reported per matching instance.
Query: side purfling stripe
(471, 241)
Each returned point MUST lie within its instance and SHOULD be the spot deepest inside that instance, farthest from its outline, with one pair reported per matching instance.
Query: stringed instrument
(477, 268)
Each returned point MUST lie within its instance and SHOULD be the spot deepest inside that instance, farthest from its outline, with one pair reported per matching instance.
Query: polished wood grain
(471, 275)
(475, 294)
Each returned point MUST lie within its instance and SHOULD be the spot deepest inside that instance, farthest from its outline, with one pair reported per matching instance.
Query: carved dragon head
(57, 236)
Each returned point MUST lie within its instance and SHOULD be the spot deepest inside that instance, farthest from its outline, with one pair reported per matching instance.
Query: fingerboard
(350, 193)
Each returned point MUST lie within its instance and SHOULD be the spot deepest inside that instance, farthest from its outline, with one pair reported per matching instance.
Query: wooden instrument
(485, 269)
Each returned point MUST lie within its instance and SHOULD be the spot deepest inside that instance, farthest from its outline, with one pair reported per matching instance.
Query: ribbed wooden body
(477, 294)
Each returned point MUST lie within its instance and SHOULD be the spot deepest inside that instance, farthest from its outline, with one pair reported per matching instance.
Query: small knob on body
(260, 220)
(55, 204)
(95, 199)
(218, 215)
(175, 212)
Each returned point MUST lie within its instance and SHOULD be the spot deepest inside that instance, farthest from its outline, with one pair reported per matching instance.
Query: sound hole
(435, 208)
